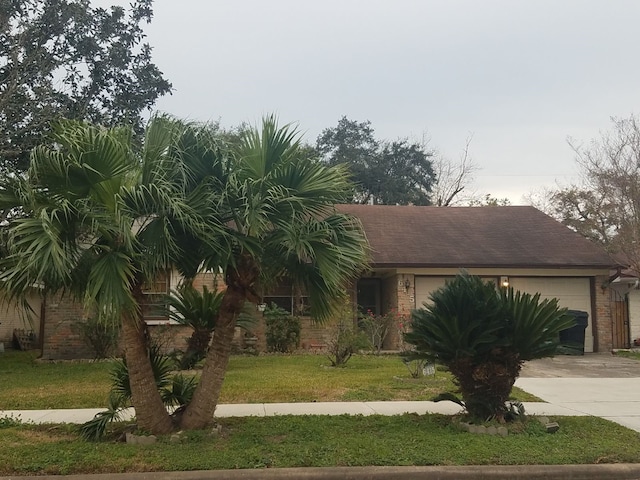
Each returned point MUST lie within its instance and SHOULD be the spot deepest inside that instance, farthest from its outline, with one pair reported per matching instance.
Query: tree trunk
(199, 413)
(486, 386)
(197, 346)
(151, 414)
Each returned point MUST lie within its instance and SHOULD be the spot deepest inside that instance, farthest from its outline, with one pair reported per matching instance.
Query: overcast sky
(520, 76)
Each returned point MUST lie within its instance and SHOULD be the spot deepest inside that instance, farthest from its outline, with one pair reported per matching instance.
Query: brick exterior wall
(602, 328)
(62, 339)
(389, 301)
(397, 297)
(313, 336)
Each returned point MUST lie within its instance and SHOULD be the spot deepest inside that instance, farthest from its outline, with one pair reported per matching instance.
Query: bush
(345, 339)
(101, 336)
(376, 327)
(283, 329)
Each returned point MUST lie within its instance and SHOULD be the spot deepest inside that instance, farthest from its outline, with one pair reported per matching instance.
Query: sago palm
(484, 336)
(198, 309)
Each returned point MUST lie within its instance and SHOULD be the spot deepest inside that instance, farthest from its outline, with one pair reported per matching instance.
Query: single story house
(414, 251)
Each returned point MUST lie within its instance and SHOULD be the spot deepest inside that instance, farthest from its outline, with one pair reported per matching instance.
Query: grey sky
(520, 76)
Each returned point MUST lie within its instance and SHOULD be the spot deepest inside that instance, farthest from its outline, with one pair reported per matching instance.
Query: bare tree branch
(452, 178)
(605, 205)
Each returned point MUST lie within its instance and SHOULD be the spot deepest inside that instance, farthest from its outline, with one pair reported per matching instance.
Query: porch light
(504, 282)
(407, 285)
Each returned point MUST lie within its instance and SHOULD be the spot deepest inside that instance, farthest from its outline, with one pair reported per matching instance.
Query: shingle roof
(515, 236)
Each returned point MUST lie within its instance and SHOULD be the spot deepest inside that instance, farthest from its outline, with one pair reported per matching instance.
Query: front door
(369, 295)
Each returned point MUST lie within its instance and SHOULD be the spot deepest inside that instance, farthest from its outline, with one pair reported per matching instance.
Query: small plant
(414, 362)
(416, 366)
(198, 310)
(376, 327)
(102, 336)
(345, 339)
(283, 329)
(9, 421)
(175, 390)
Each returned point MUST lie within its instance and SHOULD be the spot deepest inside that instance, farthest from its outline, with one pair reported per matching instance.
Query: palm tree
(484, 336)
(96, 217)
(282, 222)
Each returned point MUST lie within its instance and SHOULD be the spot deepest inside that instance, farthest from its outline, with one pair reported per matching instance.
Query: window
(285, 296)
(154, 306)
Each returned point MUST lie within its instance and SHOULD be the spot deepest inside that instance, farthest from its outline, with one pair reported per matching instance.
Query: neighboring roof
(522, 236)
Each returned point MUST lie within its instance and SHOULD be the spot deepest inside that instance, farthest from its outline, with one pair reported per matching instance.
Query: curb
(510, 472)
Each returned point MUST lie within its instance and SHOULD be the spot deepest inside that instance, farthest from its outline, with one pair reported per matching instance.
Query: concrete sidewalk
(614, 399)
(271, 409)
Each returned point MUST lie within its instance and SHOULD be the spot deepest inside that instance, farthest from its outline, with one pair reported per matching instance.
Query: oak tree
(66, 58)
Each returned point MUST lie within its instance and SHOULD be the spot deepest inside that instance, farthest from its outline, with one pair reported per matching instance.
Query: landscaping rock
(502, 431)
(492, 430)
(141, 439)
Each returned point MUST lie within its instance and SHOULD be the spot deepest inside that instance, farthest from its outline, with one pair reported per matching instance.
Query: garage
(424, 286)
(573, 293)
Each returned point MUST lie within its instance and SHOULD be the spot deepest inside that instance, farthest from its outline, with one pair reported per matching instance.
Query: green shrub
(376, 327)
(484, 335)
(283, 329)
(345, 338)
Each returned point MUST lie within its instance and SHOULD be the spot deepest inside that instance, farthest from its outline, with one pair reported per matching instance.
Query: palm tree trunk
(151, 414)
(199, 413)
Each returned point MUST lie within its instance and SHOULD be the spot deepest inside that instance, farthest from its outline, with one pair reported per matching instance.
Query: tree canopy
(605, 206)
(67, 59)
(98, 215)
(397, 172)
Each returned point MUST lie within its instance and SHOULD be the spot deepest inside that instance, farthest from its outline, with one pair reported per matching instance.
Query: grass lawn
(633, 354)
(29, 384)
(284, 441)
(301, 441)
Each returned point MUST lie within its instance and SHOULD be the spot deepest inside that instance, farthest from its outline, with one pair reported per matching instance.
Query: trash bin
(572, 339)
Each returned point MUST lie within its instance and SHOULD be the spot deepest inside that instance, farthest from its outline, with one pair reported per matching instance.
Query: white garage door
(424, 287)
(573, 293)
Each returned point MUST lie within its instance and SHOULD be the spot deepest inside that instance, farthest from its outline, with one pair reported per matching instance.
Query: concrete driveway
(601, 385)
